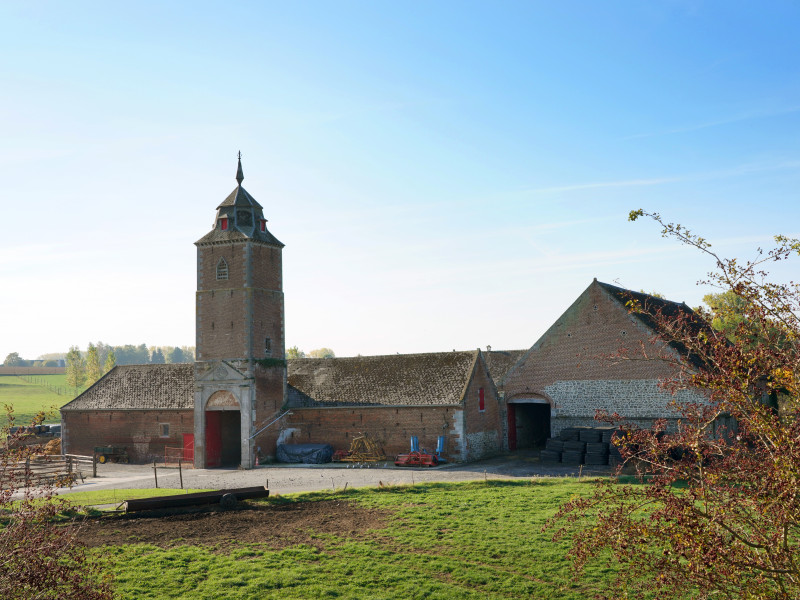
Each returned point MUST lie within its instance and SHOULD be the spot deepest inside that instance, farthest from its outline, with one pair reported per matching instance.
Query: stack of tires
(596, 453)
(574, 452)
(553, 449)
(583, 446)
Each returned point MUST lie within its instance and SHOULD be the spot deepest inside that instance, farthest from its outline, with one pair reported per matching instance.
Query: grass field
(29, 397)
(439, 541)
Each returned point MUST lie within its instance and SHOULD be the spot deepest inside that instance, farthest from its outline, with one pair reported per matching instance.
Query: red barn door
(213, 439)
(512, 427)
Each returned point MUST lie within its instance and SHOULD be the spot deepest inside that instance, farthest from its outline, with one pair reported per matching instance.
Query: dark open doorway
(223, 438)
(529, 425)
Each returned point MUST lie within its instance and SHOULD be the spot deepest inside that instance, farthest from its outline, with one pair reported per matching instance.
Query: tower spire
(239, 172)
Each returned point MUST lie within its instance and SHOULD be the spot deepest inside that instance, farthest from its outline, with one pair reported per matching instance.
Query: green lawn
(111, 496)
(29, 397)
(474, 540)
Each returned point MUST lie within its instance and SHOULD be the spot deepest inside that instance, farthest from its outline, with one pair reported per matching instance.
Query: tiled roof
(648, 308)
(234, 235)
(140, 387)
(239, 197)
(392, 380)
(500, 361)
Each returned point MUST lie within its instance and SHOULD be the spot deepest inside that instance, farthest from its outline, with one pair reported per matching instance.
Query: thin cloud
(718, 174)
(605, 184)
(761, 114)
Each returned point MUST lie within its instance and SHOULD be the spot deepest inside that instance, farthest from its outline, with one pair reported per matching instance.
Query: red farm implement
(416, 459)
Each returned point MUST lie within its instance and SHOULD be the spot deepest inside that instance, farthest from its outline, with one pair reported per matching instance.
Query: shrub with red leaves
(40, 556)
(716, 512)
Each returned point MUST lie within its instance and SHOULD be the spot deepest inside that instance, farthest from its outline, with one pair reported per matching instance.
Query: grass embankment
(33, 394)
(99, 497)
(440, 541)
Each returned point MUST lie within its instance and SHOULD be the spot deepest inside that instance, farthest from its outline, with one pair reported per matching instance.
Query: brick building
(146, 408)
(575, 368)
(241, 398)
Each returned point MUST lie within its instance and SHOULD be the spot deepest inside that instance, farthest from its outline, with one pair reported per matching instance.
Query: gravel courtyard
(287, 479)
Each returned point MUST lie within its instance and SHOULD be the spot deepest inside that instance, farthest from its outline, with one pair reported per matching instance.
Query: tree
(727, 312)
(132, 355)
(52, 356)
(294, 352)
(717, 513)
(76, 368)
(41, 558)
(13, 360)
(175, 356)
(322, 353)
(110, 362)
(92, 364)
(157, 357)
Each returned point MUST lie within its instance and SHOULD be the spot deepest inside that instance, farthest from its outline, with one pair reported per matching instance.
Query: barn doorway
(528, 423)
(223, 431)
(223, 439)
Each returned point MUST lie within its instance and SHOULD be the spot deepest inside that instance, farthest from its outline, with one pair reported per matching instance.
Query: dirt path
(275, 526)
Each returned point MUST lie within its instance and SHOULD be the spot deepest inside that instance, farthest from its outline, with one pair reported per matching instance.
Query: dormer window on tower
(222, 269)
(263, 224)
(244, 218)
(223, 223)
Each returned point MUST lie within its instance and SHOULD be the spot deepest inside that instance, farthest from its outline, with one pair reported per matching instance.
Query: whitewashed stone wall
(483, 444)
(638, 401)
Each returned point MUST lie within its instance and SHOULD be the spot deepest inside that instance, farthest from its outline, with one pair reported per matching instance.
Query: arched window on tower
(222, 269)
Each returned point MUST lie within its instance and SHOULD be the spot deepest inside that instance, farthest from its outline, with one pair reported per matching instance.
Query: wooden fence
(42, 470)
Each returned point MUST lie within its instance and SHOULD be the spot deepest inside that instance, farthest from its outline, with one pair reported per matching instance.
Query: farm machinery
(416, 459)
(111, 453)
(421, 458)
(362, 449)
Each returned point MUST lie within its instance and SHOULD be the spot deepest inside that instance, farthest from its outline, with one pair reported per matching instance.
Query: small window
(223, 223)
(481, 404)
(268, 346)
(222, 269)
(163, 429)
(263, 224)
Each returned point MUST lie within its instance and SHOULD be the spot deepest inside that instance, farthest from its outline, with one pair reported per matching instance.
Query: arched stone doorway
(528, 422)
(223, 430)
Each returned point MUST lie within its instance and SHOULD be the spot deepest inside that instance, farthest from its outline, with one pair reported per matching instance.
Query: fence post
(27, 471)
(69, 465)
(155, 472)
(180, 472)
(94, 464)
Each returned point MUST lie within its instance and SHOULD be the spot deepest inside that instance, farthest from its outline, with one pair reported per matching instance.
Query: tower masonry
(240, 373)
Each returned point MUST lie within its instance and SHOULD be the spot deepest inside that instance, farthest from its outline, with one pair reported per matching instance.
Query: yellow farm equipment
(364, 449)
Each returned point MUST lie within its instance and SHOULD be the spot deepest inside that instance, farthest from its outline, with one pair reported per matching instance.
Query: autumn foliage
(716, 512)
(40, 556)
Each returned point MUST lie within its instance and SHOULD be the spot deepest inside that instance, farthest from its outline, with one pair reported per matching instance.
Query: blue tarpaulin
(308, 454)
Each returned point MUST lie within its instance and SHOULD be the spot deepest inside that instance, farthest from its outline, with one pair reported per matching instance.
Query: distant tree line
(84, 368)
(295, 352)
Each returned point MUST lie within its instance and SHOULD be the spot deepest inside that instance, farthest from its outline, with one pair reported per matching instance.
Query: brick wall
(574, 365)
(391, 426)
(235, 316)
(270, 401)
(138, 430)
(482, 429)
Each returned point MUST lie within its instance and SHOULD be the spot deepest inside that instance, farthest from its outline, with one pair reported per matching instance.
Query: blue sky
(443, 174)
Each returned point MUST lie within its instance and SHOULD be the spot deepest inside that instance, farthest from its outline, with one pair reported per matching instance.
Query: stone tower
(240, 373)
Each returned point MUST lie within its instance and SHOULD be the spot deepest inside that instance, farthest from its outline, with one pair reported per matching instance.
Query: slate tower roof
(239, 218)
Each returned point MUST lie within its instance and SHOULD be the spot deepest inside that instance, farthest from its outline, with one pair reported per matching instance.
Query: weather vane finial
(239, 172)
